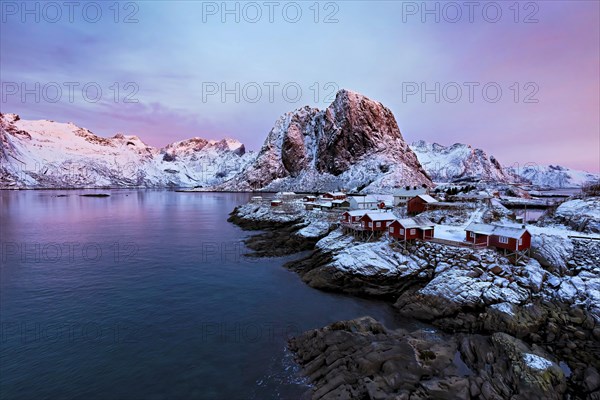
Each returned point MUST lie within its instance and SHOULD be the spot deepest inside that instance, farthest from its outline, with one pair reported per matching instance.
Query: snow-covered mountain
(50, 154)
(554, 176)
(459, 161)
(354, 144)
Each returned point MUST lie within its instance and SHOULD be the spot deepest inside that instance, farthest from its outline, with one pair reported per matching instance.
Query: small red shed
(276, 203)
(377, 221)
(419, 203)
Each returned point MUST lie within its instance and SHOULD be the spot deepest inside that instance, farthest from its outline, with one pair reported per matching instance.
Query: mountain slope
(49, 154)
(354, 144)
(554, 176)
(459, 161)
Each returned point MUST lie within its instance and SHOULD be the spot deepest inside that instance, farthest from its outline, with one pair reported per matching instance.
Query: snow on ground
(534, 361)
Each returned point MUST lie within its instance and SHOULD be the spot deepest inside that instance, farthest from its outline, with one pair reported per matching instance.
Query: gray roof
(427, 198)
(496, 230)
(381, 216)
(417, 222)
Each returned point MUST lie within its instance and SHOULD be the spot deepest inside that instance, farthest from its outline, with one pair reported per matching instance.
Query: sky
(520, 80)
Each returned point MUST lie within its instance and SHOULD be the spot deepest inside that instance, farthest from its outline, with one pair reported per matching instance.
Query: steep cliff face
(48, 154)
(354, 144)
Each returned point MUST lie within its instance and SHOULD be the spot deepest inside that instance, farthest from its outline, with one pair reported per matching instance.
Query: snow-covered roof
(409, 192)
(356, 213)
(427, 198)
(336, 193)
(373, 198)
(417, 222)
(339, 201)
(364, 199)
(496, 230)
(381, 216)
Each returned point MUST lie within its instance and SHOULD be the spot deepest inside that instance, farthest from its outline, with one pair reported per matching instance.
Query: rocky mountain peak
(354, 143)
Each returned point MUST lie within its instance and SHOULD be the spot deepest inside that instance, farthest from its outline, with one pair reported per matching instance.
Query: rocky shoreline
(498, 318)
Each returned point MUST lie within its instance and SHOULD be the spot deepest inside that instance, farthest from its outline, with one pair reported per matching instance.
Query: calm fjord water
(146, 295)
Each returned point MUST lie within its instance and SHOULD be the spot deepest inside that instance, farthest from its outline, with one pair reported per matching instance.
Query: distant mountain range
(354, 144)
(48, 154)
(463, 162)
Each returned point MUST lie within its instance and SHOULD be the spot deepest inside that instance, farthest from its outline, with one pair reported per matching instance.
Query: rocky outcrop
(354, 144)
(360, 359)
(581, 215)
(282, 233)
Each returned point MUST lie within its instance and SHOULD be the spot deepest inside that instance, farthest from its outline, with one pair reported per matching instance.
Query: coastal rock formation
(361, 359)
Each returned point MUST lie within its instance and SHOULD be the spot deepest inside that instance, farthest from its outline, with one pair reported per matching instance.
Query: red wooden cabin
(335, 196)
(502, 237)
(412, 228)
(377, 221)
(353, 216)
(419, 203)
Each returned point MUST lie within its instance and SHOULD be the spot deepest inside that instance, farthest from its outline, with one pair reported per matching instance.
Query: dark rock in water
(360, 359)
(95, 195)
(316, 271)
(278, 239)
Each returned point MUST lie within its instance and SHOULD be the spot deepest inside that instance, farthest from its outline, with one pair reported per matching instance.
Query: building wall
(415, 205)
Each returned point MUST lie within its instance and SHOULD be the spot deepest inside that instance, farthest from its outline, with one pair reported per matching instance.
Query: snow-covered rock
(580, 214)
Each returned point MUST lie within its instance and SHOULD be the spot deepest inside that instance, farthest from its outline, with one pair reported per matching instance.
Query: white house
(401, 196)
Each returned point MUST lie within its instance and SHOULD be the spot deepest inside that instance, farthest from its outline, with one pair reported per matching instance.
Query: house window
(503, 239)
(520, 241)
(402, 232)
(391, 229)
(378, 224)
(370, 224)
(413, 231)
(471, 234)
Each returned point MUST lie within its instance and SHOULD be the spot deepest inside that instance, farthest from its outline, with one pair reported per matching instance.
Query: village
(401, 218)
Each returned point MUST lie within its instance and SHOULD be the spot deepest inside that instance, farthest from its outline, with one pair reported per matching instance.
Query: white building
(401, 196)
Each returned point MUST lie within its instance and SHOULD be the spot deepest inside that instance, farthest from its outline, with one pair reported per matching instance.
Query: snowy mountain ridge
(354, 144)
(48, 154)
(463, 162)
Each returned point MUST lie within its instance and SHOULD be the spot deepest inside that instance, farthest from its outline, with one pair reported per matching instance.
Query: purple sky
(175, 54)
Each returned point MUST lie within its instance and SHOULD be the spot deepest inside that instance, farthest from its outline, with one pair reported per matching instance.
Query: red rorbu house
(353, 217)
(411, 228)
(335, 196)
(377, 221)
(419, 203)
(502, 237)
(276, 203)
